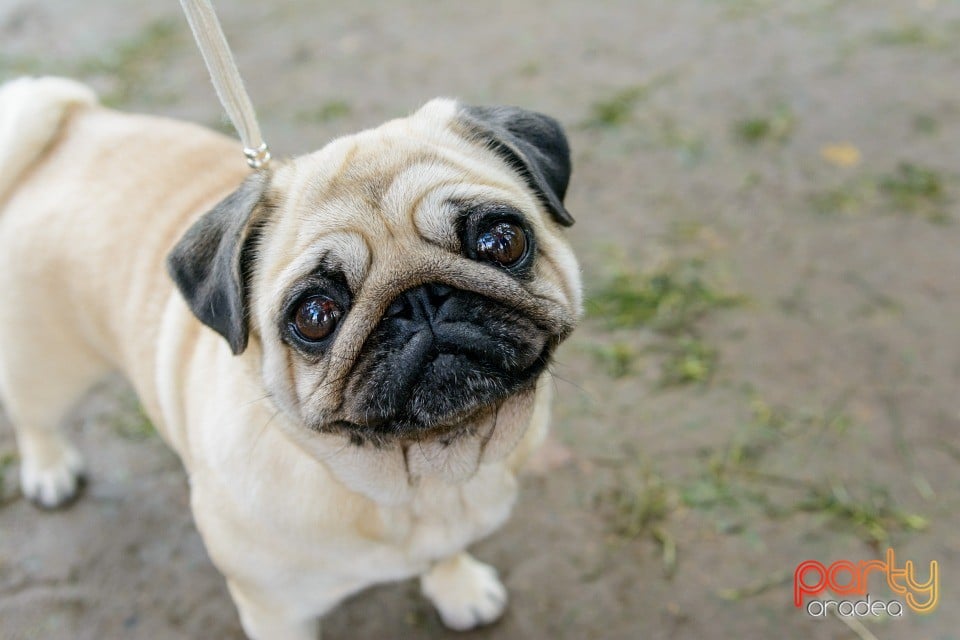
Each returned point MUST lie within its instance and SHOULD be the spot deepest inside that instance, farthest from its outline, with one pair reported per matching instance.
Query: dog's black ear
(533, 144)
(211, 262)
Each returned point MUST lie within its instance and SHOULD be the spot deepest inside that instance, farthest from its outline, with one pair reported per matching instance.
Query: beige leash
(226, 79)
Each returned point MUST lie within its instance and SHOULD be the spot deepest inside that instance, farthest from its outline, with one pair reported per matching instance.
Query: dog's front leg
(467, 593)
(263, 620)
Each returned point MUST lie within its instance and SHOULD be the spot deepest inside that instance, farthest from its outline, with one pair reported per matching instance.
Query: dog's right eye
(315, 318)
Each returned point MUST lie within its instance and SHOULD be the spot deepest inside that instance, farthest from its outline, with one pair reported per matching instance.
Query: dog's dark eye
(316, 318)
(503, 243)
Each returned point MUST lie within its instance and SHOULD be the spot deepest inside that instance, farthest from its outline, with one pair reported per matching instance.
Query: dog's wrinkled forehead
(397, 187)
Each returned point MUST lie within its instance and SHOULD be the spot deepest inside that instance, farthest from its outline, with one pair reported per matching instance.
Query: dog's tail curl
(31, 111)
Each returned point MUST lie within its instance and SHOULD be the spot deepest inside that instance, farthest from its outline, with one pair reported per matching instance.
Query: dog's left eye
(315, 318)
(503, 243)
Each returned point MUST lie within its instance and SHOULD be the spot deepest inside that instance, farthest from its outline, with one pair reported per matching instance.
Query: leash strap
(226, 79)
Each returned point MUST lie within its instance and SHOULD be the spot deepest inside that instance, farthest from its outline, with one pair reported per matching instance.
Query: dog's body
(296, 518)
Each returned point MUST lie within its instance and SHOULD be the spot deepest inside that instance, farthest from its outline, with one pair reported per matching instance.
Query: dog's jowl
(349, 352)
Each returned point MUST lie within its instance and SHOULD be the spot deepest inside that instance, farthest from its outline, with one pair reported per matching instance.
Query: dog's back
(31, 111)
(91, 200)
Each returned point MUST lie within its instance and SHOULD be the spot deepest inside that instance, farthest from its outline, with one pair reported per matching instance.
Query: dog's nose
(421, 303)
(438, 352)
(434, 319)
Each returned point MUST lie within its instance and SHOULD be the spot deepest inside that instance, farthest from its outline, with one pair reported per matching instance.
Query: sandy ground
(768, 373)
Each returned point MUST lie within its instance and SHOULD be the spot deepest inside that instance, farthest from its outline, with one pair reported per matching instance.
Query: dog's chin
(392, 470)
(454, 453)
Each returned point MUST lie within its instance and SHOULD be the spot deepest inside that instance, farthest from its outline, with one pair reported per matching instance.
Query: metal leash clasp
(259, 157)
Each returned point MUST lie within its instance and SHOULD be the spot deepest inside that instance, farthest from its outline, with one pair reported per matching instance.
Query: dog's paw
(52, 483)
(466, 593)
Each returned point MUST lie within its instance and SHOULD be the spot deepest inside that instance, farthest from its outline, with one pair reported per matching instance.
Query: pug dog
(349, 351)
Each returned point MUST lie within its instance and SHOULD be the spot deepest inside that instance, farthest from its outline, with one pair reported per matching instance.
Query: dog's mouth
(407, 430)
(450, 453)
(445, 426)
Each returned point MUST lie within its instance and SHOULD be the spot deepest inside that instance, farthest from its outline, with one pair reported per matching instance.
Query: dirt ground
(766, 200)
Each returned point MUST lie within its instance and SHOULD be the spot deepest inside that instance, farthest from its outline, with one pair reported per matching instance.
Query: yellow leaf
(843, 154)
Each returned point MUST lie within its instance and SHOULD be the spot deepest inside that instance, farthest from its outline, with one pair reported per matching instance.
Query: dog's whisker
(263, 429)
(265, 396)
(557, 377)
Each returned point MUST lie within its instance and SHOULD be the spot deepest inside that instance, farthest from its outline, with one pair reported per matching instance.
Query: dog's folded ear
(211, 262)
(533, 144)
